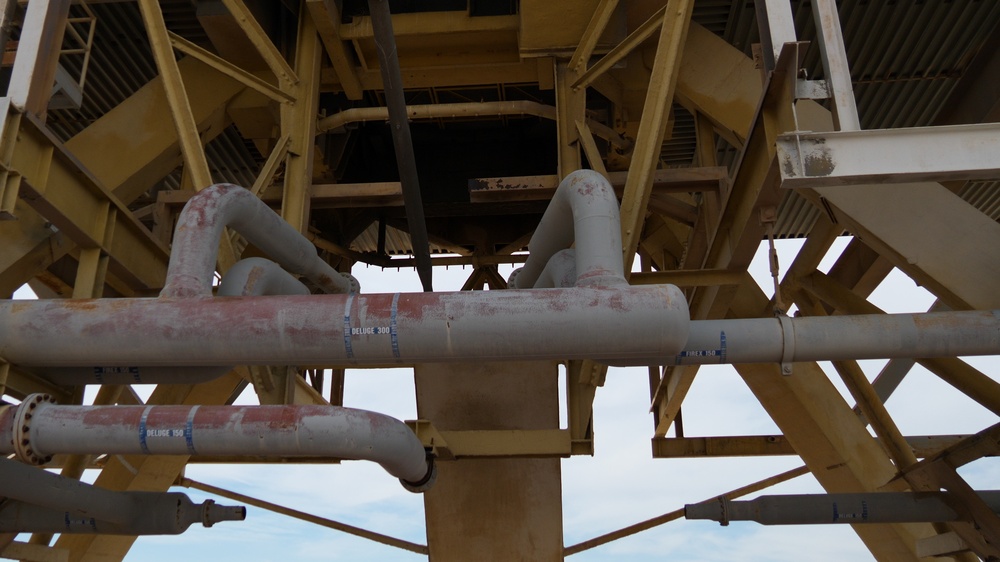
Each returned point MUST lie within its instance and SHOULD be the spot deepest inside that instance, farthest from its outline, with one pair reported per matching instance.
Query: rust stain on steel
(818, 161)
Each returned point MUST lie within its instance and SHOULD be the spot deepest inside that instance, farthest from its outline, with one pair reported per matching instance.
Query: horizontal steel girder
(957, 152)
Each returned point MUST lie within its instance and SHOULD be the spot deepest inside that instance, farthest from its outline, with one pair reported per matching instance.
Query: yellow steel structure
(673, 100)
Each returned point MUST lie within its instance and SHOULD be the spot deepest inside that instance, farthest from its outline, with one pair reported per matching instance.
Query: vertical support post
(93, 262)
(838, 73)
(298, 121)
(655, 112)
(777, 27)
(570, 108)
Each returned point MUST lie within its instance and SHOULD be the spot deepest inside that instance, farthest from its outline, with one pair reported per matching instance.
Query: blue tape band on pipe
(392, 327)
(189, 431)
(347, 327)
(142, 430)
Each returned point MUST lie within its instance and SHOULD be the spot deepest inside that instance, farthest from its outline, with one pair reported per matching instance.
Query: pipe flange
(511, 283)
(355, 284)
(23, 416)
(424, 483)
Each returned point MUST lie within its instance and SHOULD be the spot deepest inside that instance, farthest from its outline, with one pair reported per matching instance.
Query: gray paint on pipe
(258, 277)
(379, 329)
(201, 224)
(584, 212)
(815, 509)
(170, 514)
(313, 431)
(74, 501)
(832, 338)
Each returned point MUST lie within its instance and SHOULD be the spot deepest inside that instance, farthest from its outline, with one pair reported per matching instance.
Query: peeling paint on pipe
(201, 224)
(313, 431)
(584, 211)
(575, 323)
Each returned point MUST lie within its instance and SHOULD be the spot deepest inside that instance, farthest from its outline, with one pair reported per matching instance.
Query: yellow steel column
(299, 122)
(659, 96)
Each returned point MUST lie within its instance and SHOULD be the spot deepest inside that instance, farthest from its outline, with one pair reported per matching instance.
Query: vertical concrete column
(492, 509)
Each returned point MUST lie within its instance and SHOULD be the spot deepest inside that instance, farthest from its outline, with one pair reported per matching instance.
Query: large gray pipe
(813, 509)
(75, 501)
(383, 329)
(249, 277)
(584, 210)
(832, 338)
(200, 227)
(36, 430)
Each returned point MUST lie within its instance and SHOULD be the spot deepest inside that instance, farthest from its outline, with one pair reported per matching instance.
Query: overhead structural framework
(188, 187)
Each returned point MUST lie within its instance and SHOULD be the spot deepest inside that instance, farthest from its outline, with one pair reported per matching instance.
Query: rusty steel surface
(404, 328)
(202, 223)
(316, 431)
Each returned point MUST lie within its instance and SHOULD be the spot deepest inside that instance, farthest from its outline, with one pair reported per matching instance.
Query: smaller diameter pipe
(464, 110)
(313, 431)
(258, 277)
(831, 338)
(159, 514)
(814, 509)
(200, 227)
(584, 211)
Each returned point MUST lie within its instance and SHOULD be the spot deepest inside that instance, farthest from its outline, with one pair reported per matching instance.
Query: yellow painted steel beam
(587, 76)
(177, 100)
(28, 248)
(448, 76)
(771, 445)
(425, 24)
(274, 59)
(230, 70)
(571, 107)
(603, 13)
(828, 436)
(955, 372)
(660, 94)
(77, 203)
(326, 18)
(136, 144)
(724, 86)
(299, 123)
(27, 552)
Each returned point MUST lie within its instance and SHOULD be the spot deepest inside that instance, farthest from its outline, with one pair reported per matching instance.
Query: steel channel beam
(60, 189)
(953, 152)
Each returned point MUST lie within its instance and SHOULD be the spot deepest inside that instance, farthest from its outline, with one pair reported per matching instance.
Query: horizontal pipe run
(379, 329)
(818, 509)
(339, 120)
(171, 514)
(200, 227)
(315, 431)
(833, 338)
